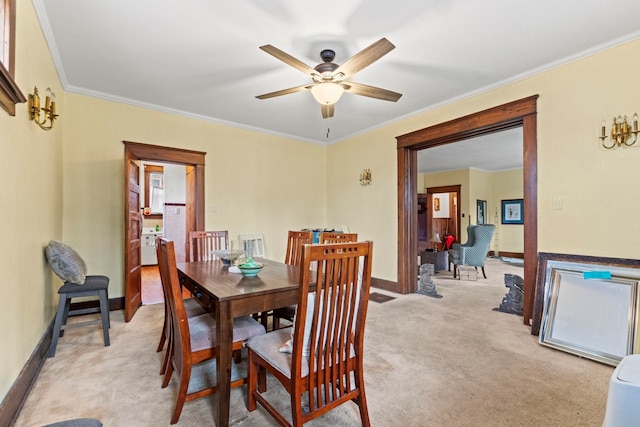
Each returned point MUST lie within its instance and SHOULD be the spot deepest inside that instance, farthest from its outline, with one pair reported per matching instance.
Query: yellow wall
(256, 183)
(480, 188)
(369, 210)
(31, 176)
(593, 183)
(67, 184)
(506, 185)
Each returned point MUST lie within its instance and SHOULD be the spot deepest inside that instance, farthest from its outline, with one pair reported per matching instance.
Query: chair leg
(104, 313)
(483, 273)
(296, 408)
(165, 359)
(168, 373)
(252, 382)
(65, 312)
(262, 380)
(182, 394)
(58, 323)
(455, 270)
(165, 332)
(162, 339)
(362, 401)
(264, 320)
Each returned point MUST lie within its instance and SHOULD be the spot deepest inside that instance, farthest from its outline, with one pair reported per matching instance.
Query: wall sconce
(365, 177)
(49, 109)
(620, 132)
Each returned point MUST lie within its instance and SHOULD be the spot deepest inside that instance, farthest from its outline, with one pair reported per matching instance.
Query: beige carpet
(452, 361)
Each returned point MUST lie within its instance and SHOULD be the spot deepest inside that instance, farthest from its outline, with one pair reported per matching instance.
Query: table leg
(224, 336)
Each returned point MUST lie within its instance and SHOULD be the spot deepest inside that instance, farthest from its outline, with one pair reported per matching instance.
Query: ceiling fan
(329, 79)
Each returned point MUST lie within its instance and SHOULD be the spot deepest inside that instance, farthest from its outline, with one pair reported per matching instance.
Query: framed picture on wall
(481, 211)
(512, 211)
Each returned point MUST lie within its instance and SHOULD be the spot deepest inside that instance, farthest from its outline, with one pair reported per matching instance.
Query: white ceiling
(491, 153)
(200, 58)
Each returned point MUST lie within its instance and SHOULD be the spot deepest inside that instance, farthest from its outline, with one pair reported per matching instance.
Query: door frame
(195, 201)
(520, 113)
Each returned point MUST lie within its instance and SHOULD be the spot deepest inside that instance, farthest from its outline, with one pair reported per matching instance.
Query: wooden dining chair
(192, 307)
(193, 338)
(325, 366)
(295, 240)
(252, 244)
(287, 313)
(202, 243)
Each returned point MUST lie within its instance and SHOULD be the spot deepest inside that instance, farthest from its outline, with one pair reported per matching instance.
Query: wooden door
(133, 234)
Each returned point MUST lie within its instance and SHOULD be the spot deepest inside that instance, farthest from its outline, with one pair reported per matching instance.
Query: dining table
(229, 295)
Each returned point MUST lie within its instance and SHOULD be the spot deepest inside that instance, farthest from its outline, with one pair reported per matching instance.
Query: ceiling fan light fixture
(327, 93)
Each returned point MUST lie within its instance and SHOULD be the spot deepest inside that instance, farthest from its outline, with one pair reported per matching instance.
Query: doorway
(134, 154)
(438, 217)
(443, 217)
(164, 215)
(515, 114)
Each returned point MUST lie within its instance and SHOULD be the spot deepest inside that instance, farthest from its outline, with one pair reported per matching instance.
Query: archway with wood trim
(518, 113)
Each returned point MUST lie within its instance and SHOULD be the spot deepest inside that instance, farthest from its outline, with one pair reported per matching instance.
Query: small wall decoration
(512, 211)
(481, 211)
(436, 203)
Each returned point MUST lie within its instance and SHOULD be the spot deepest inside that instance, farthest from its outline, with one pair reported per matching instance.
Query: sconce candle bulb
(49, 109)
(621, 132)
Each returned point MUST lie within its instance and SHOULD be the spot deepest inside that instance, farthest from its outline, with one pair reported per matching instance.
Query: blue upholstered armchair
(470, 238)
(475, 250)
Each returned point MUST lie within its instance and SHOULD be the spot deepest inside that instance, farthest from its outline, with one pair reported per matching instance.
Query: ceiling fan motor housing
(327, 66)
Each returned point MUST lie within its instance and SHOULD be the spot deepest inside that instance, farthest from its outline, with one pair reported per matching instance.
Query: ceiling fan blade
(371, 91)
(365, 57)
(284, 91)
(290, 60)
(327, 110)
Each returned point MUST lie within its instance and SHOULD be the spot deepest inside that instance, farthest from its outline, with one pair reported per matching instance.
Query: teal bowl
(250, 271)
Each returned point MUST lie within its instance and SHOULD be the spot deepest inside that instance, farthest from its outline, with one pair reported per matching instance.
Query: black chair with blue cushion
(71, 268)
